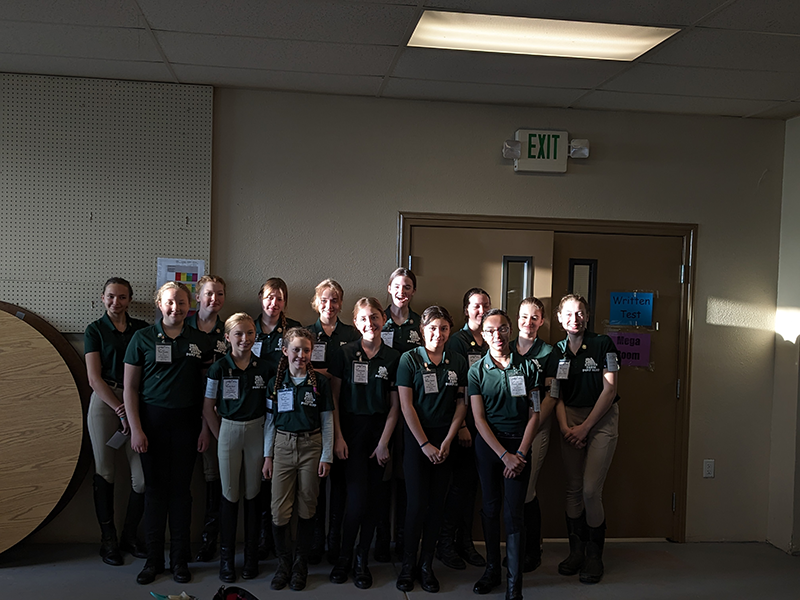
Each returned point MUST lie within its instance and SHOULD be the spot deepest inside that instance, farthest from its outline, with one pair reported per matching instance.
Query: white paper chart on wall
(98, 178)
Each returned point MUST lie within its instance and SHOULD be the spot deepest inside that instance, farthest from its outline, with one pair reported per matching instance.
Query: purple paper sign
(634, 348)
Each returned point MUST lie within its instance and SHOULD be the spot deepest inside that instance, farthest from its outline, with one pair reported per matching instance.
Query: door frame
(686, 231)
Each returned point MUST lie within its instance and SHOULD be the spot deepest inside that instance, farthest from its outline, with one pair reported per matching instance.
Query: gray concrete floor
(634, 570)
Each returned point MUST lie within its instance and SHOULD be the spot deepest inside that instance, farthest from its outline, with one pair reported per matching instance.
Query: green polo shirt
(251, 385)
(585, 382)
(272, 342)
(371, 398)
(298, 408)
(463, 343)
(504, 413)
(435, 409)
(216, 336)
(405, 336)
(342, 334)
(102, 336)
(179, 382)
(539, 351)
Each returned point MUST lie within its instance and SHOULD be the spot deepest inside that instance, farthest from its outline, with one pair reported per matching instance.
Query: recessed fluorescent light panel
(543, 37)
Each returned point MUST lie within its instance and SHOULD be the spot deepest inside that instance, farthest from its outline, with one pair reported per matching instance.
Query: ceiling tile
(310, 20)
(773, 16)
(108, 13)
(77, 41)
(670, 104)
(513, 69)
(630, 12)
(275, 55)
(479, 92)
(85, 67)
(697, 81)
(279, 80)
(730, 50)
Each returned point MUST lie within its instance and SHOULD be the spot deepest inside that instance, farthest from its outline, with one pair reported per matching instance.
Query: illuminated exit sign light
(542, 150)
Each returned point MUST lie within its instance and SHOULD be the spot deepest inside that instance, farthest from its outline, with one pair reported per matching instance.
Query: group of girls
(288, 406)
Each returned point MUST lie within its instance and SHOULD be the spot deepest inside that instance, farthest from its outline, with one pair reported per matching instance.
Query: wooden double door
(645, 489)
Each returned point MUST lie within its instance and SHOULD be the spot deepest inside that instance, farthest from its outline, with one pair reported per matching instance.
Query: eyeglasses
(501, 330)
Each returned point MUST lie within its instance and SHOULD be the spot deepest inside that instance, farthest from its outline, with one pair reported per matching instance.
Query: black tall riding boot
(265, 537)
(228, 520)
(405, 580)
(427, 579)
(129, 540)
(305, 531)
(282, 573)
(533, 536)
(252, 521)
(446, 546)
(211, 527)
(491, 575)
(383, 530)
(400, 502)
(577, 531)
(104, 507)
(514, 545)
(362, 577)
(592, 570)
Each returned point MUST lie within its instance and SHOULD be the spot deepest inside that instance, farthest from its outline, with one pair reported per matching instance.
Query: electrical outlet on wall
(708, 468)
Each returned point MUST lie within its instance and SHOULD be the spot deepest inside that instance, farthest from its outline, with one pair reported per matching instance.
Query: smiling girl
(582, 372)
(331, 334)
(210, 298)
(164, 364)
(234, 408)
(105, 343)
(504, 393)
(365, 395)
(298, 450)
(431, 384)
(530, 347)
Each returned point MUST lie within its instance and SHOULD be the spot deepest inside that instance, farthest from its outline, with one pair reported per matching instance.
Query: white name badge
(388, 338)
(212, 387)
(318, 353)
(230, 388)
(563, 369)
(473, 357)
(612, 362)
(555, 389)
(430, 383)
(286, 400)
(516, 384)
(536, 400)
(360, 372)
(164, 353)
(256, 349)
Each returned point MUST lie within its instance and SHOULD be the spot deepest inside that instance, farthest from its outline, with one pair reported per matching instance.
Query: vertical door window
(517, 282)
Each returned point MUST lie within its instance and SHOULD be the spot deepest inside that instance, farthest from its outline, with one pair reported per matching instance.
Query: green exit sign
(542, 150)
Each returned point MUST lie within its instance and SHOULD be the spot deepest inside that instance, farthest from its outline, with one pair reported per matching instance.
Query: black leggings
(364, 477)
(426, 486)
(499, 491)
(168, 465)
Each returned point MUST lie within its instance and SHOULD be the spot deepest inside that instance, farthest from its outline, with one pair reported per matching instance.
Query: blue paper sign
(631, 308)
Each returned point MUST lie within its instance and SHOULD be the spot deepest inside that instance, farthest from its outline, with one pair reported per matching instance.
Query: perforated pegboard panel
(98, 178)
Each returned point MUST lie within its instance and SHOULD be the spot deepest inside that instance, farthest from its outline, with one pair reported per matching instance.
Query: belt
(113, 384)
(301, 434)
(509, 434)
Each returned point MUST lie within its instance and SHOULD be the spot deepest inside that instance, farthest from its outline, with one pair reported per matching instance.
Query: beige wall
(309, 186)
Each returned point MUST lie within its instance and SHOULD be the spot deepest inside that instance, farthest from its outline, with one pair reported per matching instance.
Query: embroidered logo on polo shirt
(194, 351)
(342, 343)
(589, 366)
(309, 400)
(452, 378)
(221, 347)
(258, 383)
(413, 337)
(383, 372)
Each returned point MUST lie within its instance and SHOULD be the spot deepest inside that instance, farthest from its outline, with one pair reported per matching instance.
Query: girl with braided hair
(298, 450)
(271, 325)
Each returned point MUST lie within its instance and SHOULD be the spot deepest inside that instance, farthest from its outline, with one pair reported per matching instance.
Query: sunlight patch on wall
(787, 323)
(729, 313)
